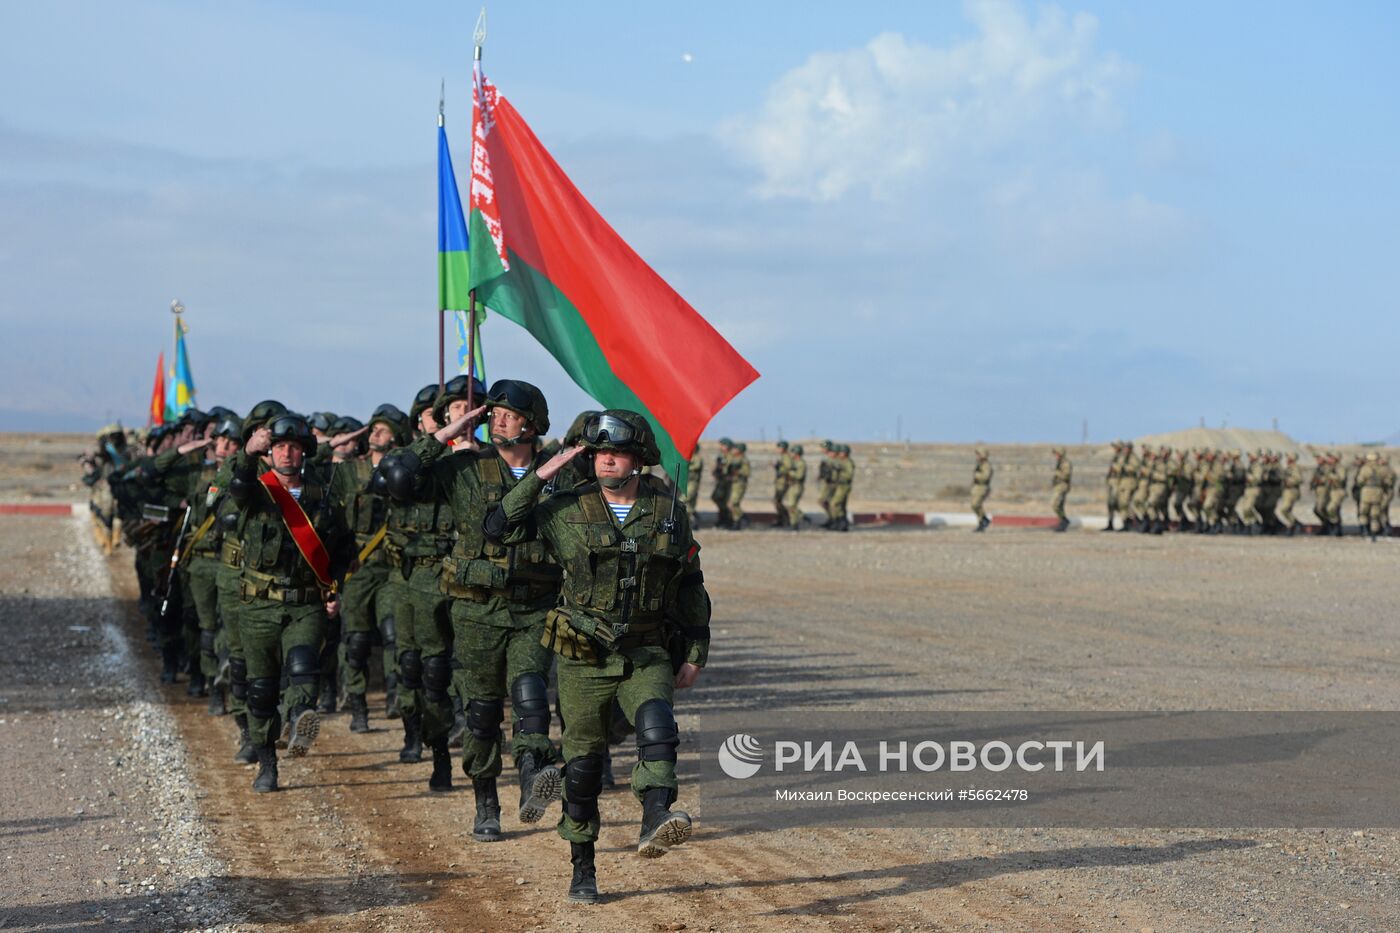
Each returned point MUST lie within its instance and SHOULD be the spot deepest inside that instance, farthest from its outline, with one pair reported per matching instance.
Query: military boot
(391, 697)
(456, 736)
(583, 889)
(441, 779)
(609, 780)
(329, 694)
(267, 770)
(306, 725)
(662, 828)
(217, 705)
(169, 664)
(247, 753)
(412, 751)
(197, 686)
(359, 712)
(487, 827)
(539, 786)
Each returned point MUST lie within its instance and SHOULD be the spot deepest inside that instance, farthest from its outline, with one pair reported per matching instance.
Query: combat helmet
(229, 426)
(290, 426)
(394, 417)
(259, 415)
(575, 432)
(795, 449)
(620, 429)
(456, 390)
(422, 401)
(782, 445)
(323, 421)
(524, 399)
(347, 424)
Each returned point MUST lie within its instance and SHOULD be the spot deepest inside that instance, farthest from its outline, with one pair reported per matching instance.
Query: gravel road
(872, 620)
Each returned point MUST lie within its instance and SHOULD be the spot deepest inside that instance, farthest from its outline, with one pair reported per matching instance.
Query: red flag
(157, 413)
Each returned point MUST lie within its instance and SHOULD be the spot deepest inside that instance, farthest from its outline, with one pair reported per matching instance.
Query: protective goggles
(511, 394)
(323, 421)
(228, 427)
(289, 428)
(608, 431)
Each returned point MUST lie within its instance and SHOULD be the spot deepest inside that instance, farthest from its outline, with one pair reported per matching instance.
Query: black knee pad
(357, 649)
(262, 697)
(583, 782)
(238, 678)
(411, 669)
(206, 642)
(437, 677)
(529, 697)
(484, 718)
(303, 664)
(657, 736)
(389, 631)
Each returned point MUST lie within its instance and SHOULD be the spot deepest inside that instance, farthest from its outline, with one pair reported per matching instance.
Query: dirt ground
(890, 477)
(120, 808)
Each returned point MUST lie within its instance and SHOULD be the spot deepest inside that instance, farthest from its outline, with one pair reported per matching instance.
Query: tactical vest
(523, 572)
(201, 507)
(273, 567)
(418, 530)
(625, 576)
(365, 512)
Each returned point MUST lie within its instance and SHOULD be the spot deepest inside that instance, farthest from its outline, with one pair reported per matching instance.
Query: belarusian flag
(544, 258)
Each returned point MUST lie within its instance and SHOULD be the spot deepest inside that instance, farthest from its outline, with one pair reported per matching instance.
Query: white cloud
(872, 118)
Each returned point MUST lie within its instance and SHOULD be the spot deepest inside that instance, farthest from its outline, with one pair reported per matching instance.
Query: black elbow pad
(494, 524)
(400, 474)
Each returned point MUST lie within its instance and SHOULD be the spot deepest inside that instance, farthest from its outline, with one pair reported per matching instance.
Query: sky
(989, 221)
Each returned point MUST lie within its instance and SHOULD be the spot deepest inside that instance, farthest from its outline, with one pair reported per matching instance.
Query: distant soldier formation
(1156, 489)
(276, 553)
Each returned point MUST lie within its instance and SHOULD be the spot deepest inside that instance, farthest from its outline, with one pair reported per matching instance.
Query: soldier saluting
(296, 544)
(633, 595)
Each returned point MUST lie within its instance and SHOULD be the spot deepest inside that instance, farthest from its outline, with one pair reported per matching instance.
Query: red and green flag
(542, 257)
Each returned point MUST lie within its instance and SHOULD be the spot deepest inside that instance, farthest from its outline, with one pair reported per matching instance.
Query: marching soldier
(1253, 481)
(1336, 492)
(501, 595)
(371, 593)
(694, 471)
(780, 483)
(1371, 482)
(296, 545)
(824, 471)
(1158, 487)
(739, 472)
(720, 494)
(1059, 487)
(796, 481)
(1115, 465)
(843, 474)
(981, 487)
(632, 626)
(1291, 482)
(99, 466)
(1127, 485)
(1182, 483)
(1388, 475)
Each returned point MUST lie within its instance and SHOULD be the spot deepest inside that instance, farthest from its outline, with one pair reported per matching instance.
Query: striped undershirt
(620, 511)
(519, 472)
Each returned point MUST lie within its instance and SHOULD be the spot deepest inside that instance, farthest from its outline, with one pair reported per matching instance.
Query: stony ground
(118, 803)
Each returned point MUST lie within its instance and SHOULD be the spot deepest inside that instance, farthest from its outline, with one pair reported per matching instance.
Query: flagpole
(479, 38)
(442, 312)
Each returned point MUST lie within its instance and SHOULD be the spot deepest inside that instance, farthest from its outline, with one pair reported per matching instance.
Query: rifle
(174, 563)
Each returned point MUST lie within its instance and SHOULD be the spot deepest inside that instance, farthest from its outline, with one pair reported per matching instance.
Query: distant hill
(1226, 439)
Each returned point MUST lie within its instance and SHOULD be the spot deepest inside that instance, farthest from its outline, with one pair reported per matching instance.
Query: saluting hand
(349, 436)
(259, 442)
(551, 467)
(192, 446)
(462, 425)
